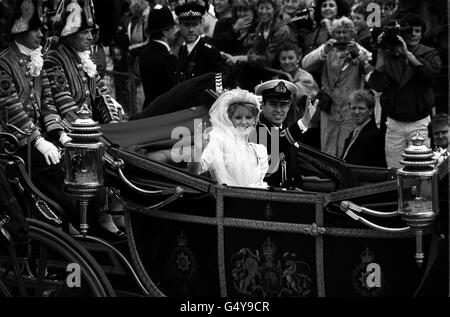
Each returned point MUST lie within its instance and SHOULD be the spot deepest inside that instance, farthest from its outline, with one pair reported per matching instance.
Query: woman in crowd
(228, 155)
(290, 9)
(238, 38)
(269, 35)
(326, 11)
(289, 57)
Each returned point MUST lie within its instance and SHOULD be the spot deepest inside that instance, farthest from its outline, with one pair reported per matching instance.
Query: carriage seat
(318, 184)
(164, 156)
(313, 179)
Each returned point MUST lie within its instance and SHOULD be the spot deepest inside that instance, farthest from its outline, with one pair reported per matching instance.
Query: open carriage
(189, 236)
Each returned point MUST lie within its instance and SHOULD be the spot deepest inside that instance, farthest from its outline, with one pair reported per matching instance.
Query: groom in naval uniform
(273, 126)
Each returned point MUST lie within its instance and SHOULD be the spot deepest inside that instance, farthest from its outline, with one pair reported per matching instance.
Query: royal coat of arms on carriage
(182, 259)
(267, 273)
(367, 277)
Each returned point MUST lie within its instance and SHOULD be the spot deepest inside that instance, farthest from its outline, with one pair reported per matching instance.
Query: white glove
(49, 151)
(309, 112)
(64, 138)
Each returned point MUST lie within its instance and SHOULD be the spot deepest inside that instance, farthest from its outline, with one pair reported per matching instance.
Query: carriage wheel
(49, 263)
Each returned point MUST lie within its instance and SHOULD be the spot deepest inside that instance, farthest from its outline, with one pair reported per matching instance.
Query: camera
(389, 39)
(302, 20)
(341, 45)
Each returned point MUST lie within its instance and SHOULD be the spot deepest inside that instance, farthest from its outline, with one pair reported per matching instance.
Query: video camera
(302, 20)
(389, 39)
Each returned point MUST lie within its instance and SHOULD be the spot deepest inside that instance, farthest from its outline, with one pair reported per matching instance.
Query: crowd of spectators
(328, 48)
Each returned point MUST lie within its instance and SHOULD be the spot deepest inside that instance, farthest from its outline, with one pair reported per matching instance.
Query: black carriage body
(226, 241)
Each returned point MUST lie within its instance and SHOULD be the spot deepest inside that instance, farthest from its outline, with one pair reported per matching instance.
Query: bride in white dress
(229, 155)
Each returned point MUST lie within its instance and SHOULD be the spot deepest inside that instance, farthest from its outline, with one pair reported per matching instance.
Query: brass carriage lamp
(417, 186)
(83, 161)
(418, 189)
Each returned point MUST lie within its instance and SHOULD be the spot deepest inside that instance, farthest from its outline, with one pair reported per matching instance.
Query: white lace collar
(36, 60)
(88, 65)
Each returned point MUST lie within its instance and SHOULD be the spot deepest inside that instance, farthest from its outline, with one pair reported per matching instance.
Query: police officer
(196, 56)
(72, 74)
(157, 65)
(277, 98)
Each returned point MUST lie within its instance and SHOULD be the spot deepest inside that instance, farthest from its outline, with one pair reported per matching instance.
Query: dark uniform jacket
(203, 59)
(158, 68)
(287, 138)
(71, 87)
(23, 102)
(368, 147)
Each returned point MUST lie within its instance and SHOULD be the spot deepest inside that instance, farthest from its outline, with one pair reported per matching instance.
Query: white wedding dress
(229, 156)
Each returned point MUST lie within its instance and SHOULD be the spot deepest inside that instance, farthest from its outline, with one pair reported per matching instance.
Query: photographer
(343, 64)
(404, 73)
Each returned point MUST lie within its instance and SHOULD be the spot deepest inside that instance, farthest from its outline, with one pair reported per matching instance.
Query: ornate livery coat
(71, 87)
(23, 99)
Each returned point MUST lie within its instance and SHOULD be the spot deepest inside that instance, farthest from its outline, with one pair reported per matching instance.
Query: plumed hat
(73, 16)
(28, 15)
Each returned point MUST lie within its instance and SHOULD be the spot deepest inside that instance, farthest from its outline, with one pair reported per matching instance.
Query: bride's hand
(201, 137)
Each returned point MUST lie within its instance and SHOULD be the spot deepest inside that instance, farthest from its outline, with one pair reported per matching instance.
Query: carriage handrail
(18, 130)
(13, 141)
(163, 203)
(349, 212)
(27, 133)
(375, 226)
(349, 206)
(119, 164)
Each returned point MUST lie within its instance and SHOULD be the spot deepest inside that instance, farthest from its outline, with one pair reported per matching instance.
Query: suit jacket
(158, 69)
(287, 138)
(203, 59)
(367, 149)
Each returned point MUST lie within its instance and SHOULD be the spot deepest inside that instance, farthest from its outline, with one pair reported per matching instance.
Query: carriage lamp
(417, 186)
(83, 161)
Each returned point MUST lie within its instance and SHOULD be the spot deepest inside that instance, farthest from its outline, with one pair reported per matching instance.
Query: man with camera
(404, 73)
(343, 64)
